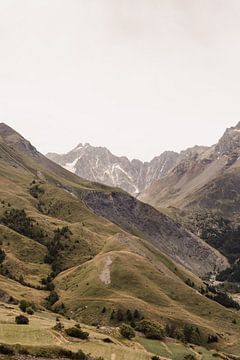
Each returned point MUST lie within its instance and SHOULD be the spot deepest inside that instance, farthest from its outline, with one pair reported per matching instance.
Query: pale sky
(136, 76)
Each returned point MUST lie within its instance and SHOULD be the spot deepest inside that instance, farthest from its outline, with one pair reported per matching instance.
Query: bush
(189, 357)
(29, 311)
(18, 221)
(25, 305)
(224, 299)
(155, 358)
(36, 191)
(127, 332)
(212, 339)
(77, 333)
(150, 329)
(6, 350)
(52, 298)
(120, 315)
(2, 256)
(22, 320)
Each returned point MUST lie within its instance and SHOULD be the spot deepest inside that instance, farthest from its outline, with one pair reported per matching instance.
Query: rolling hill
(78, 247)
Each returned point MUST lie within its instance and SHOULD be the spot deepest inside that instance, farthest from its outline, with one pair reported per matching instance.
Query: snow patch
(71, 166)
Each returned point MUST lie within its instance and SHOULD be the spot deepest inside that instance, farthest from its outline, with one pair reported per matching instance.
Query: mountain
(208, 178)
(90, 252)
(99, 164)
(202, 193)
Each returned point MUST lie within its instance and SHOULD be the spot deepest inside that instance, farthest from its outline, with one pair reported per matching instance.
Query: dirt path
(105, 275)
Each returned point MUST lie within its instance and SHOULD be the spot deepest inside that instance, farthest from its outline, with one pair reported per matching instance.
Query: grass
(141, 276)
(39, 333)
(176, 350)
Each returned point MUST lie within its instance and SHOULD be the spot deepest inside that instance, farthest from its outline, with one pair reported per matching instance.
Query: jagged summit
(100, 165)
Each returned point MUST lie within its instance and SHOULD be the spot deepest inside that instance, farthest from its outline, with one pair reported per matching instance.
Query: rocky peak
(100, 165)
(229, 144)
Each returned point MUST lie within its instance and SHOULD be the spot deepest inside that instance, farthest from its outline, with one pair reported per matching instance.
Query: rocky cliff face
(100, 165)
(205, 177)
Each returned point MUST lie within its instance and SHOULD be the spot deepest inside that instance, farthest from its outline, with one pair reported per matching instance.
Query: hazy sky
(137, 76)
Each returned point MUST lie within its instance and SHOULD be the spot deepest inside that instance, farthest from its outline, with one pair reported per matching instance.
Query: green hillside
(98, 268)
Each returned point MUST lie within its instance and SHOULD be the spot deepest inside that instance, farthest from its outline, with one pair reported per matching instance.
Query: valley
(98, 256)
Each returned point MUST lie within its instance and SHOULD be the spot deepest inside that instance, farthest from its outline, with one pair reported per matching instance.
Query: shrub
(189, 357)
(129, 316)
(150, 329)
(52, 298)
(30, 311)
(127, 332)
(120, 316)
(2, 256)
(155, 358)
(25, 305)
(212, 339)
(136, 314)
(22, 320)
(6, 350)
(36, 191)
(17, 220)
(224, 300)
(80, 356)
(190, 283)
(77, 333)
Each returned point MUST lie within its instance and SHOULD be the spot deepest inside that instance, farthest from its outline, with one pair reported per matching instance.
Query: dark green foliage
(155, 358)
(172, 331)
(52, 298)
(189, 357)
(104, 310)
(219, 232)
(36, 191)
(2, 256)
(212, 339)
(223, 299)
(18, 221)
(30, 311)
(119, 315)
(137, 315)
(127, 331)
(231, 274)
(112, 315)
(25, 305)
(191, 334)
(76, 332)
(190, 283)
(55, 247)
(129, 316)
(6, 350)
(188, 333)
(150, 329)
(47, 282)
(21, 320)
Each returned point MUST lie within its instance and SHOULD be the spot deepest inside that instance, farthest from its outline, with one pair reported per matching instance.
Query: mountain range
(100, 165)
(91, 252)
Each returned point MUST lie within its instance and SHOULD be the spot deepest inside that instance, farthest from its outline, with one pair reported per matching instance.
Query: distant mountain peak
(100, 165)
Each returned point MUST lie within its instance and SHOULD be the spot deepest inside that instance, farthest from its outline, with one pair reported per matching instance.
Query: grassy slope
(141, 276)
(40, 334)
